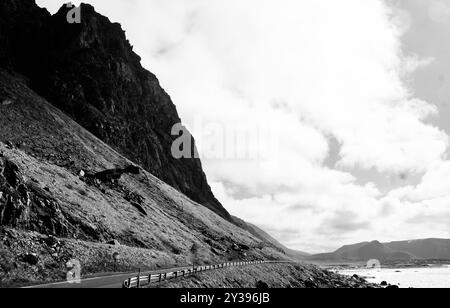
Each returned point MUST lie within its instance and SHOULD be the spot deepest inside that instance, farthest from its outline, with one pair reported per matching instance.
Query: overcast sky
(347, 101)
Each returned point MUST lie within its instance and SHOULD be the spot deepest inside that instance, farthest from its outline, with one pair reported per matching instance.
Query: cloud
(265, 85)
(439, 11)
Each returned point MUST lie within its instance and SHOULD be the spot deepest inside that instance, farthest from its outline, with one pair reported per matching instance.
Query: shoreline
(411, 277)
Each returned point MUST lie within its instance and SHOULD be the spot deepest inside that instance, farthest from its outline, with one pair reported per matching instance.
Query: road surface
(114, 281)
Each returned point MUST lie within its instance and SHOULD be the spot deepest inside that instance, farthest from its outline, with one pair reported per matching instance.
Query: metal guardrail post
(139, 279)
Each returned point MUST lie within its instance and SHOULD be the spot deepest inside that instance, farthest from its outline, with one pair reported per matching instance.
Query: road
(107, 282)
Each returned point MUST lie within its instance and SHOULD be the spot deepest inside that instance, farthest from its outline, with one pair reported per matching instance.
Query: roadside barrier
(144, 280)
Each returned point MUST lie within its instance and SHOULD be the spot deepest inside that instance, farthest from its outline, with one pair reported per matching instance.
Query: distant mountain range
(393, 251)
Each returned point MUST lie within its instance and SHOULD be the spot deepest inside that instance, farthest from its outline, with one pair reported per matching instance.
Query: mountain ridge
(399, 250)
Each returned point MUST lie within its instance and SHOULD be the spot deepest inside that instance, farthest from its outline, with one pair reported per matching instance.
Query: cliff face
(90, 72)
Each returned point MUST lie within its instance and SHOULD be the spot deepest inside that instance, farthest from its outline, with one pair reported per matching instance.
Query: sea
(423, 277)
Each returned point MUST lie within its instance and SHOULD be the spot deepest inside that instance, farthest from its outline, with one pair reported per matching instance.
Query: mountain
(90, 72)
(43, 194)
(402, 250)
(424, 249)
(363, 252)
(85, 164)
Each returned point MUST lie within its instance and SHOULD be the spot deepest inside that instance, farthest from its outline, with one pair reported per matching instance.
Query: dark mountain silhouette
(403, 250)
(90, 72)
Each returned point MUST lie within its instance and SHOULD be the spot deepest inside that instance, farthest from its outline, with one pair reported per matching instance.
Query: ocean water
(425, 277)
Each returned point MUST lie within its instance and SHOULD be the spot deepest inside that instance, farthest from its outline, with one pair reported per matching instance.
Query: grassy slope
(53, 149)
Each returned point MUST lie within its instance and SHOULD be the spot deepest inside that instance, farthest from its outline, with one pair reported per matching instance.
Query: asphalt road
(107, 282)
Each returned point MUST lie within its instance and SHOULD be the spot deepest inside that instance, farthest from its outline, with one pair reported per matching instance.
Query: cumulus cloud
(286, 77)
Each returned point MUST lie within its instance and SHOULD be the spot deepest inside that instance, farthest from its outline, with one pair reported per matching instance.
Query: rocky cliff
(90, 72)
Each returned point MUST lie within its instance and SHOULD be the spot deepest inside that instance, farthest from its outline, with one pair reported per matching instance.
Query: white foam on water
(425, 277)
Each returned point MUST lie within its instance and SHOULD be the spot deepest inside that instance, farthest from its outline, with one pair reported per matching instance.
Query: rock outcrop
(113, 174)
(24, 205)
(90, 72)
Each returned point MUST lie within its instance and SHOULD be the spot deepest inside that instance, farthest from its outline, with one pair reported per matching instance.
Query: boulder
(112, 175)
(52, 241)
(9, 144)
(113, 243)
(31, 258)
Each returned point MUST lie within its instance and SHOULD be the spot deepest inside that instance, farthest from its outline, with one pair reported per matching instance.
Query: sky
(323, 122)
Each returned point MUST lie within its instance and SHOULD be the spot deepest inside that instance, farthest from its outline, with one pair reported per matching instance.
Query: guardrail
(144, 280)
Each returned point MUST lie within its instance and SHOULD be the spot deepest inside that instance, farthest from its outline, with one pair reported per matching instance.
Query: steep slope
(424, 249)
(43, 194)
(90, 72)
